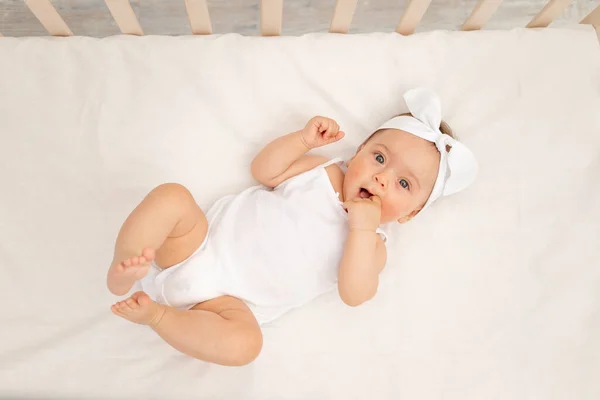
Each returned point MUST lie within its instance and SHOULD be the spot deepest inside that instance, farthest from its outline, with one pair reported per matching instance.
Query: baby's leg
(222, 331)
(167, 226)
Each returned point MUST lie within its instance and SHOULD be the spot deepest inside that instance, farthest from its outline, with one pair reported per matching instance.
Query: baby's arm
(285, 156)
(364, 258)
(269, 166)
(364, 254)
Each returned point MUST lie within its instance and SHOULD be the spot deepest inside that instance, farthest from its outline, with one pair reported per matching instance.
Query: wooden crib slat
(124, 17)
(271, 16)
(197, 11)
(45, 12)
(412, 16)
(481, 14)
(593, 17)
(342, 16)
(549, 13)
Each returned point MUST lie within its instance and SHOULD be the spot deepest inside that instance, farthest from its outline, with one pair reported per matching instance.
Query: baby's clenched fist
(320, 131)
(364, 213)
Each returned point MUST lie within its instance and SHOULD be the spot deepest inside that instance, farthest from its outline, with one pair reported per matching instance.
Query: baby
(210, 280)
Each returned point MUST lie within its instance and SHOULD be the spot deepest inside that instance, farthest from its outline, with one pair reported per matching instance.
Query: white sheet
(505, 306)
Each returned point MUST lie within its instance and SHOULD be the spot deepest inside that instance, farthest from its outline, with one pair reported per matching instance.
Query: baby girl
(210, 280)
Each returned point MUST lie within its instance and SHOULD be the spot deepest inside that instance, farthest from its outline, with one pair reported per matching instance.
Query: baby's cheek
(394, 209)
(352, 174)
(389, 210)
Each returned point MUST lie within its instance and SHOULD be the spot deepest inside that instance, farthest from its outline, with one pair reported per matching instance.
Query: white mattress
(491, 294)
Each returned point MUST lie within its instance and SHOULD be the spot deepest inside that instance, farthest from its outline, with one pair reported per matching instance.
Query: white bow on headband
(458, 167)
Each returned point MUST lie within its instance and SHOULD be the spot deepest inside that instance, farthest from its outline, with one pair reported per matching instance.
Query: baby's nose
(382, 180)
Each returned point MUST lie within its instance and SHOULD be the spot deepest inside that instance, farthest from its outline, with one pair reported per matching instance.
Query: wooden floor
(168, 17)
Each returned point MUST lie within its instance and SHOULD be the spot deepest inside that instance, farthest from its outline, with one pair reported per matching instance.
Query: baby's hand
(364, 214)
(320, 131)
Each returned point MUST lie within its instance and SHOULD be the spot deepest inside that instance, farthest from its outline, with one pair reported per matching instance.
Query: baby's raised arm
(285, 156)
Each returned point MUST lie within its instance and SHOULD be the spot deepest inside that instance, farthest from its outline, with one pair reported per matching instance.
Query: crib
(271, 16)
(493, 293)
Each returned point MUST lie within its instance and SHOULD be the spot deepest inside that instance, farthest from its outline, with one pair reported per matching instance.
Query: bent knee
(171, 189)
(173, 193)
(244, 346)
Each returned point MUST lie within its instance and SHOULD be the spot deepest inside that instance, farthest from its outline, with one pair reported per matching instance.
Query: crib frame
(271, 16)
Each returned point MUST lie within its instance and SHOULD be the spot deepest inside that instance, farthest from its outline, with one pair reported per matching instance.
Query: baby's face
(397, 166)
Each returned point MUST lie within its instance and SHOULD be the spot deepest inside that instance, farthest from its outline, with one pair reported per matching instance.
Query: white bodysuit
(274, 249)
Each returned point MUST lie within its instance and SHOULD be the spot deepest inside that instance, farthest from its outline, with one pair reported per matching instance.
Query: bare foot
(123, 275)
(139, 308)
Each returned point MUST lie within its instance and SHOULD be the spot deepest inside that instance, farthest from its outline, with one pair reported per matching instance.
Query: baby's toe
(116, 310)
(120, 268)
(125, 306)
(142, 298)
(127, 263)
(132, 303)
(148, 253)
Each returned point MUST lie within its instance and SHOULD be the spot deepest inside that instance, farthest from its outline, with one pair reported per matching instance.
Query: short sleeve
(382, 233)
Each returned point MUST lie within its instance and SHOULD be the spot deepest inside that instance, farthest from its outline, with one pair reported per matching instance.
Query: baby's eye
(379, 158)
(404, 183)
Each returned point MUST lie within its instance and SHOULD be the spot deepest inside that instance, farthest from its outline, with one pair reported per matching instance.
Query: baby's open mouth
(364, 193)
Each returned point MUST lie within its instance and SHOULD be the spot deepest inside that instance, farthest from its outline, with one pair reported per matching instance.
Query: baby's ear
(408, 217)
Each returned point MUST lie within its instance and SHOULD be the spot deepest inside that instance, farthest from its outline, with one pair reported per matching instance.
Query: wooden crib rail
(549, 13)
(197, 11)
(45, 12)
(342, 16)
(271, 16)
(412, 16)
(481, 14)
(593, 17)
(124, 16)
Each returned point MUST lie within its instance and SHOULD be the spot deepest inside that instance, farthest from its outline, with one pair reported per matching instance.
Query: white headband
(458, 167)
